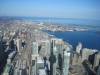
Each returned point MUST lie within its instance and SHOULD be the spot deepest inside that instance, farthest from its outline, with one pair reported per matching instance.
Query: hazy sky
(83, 9)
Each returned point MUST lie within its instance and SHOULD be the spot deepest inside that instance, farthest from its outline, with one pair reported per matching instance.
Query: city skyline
(54, 8)
(26, 48)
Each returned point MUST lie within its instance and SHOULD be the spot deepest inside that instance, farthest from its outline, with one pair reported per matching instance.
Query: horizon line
(47, 17)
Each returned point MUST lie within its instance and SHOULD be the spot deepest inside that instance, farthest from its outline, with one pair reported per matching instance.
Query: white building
(19, 44)
(42, 72)
(66, 62)
(12, 33)
(87, 52)
(39, 64)
(98, 71)
(79, 47)
(34, 48)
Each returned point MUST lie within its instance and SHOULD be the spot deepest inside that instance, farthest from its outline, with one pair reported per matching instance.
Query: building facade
(79, 47)
(39, 64)
(53, 61)
(66, 62)
(98, 71)
(47, 45)
(88, 54)
(34, 48)
(19, 44)
(96, 61)
(1, 49)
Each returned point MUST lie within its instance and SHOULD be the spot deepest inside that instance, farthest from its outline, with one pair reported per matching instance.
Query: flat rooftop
(40, 60)
(42, 72)
(72, 51)
(7, 69)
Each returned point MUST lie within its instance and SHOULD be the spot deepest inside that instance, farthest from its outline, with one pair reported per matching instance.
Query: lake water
(61, 20)
(65, 20)
(89, 39)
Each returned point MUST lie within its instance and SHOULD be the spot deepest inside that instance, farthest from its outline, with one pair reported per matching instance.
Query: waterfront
(89, 39)
(64, 21)
(31, 33)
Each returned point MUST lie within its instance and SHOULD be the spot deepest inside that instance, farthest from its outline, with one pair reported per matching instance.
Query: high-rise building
(19, 44)
(53, 61)
(47, 45)
(34, 48)
(60, 47)
(34, 52)
(79, 47)
(88, 54)
(66, 61)
(98, 71)
(39, 64)
(96, 61)
(12, 46)
(1, 49)
(53, 42)
(75, 57)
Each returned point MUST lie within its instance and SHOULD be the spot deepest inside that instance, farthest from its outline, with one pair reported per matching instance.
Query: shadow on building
(39, 48)
(91, 58)
(52, 60)
(87, 68)
(12, 46)
(60, 61)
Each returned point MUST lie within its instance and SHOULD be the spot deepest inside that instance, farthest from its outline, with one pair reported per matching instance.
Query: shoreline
(79, 37)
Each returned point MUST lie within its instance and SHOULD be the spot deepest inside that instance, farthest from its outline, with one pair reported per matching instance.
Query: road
(26, 51)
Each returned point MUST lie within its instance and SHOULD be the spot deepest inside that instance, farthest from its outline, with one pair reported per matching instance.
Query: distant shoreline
(64, 21)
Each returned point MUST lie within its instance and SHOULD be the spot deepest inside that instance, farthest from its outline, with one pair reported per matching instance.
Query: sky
(81, 9)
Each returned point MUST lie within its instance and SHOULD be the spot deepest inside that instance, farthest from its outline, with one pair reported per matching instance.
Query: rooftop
(7, 69)
(42, 72)
(40, 60)
(72, 51)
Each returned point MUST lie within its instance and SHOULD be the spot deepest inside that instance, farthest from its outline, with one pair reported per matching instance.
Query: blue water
(61, 20)
(89, 39)
(65, 20)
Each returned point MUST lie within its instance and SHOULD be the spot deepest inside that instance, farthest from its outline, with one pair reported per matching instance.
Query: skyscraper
(66, 61)
(19, 44)
(96, 61)
(34, 48)
(53, 61)
(60, 47)
(79, 47)
(34, 52)
(12, 46)
(53, 42)
(39, 64)
(47, 45)
(1, 49)
(75, 57)
(98, 71)
(87, 53)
